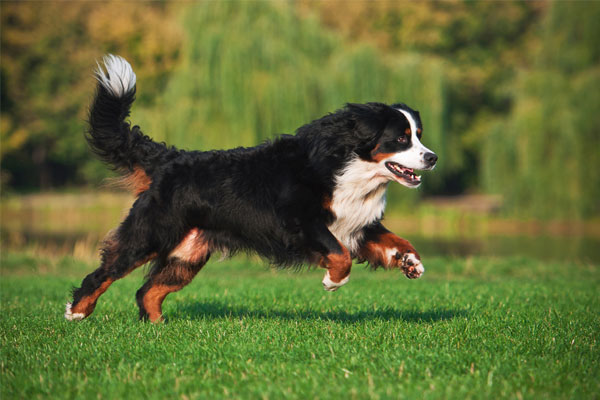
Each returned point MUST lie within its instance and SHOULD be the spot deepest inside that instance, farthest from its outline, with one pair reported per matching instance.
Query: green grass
(474, 328)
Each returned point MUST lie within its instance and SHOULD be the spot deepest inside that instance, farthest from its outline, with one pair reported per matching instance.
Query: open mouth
(405, 176)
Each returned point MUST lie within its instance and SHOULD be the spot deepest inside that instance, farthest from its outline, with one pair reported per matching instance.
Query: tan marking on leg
(391, 251)
(153, 300)
(338, 269)
(383, 250)
(171, 279)
(338, 265)
(87, 304)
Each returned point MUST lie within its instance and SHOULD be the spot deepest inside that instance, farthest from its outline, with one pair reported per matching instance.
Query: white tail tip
(119, 78)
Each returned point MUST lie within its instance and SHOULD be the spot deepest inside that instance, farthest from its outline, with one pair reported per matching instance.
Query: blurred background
(508, 93)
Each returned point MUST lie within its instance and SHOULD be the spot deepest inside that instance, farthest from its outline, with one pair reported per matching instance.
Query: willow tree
(252, 70)
(545, 158)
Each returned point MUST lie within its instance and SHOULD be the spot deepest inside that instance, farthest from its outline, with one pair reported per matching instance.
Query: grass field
(470, 328)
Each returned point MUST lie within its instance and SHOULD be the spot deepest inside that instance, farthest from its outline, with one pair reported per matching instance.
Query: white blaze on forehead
(411, 121)
(413, 130)
(414, 156)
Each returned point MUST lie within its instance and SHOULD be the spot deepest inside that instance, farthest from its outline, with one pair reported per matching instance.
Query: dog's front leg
(333, 256)
(383, 248)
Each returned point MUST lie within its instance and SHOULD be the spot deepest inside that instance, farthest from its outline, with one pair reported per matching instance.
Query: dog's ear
(393, 127)
(369, 119)
(370, 122)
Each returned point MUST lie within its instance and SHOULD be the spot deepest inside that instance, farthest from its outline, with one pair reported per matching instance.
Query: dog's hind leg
(118, 259)
(123, 251)
(172, 274)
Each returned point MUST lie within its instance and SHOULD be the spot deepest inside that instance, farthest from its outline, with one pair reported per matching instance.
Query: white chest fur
(358, 200)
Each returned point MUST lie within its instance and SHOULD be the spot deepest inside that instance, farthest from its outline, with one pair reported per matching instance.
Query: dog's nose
(430, 158)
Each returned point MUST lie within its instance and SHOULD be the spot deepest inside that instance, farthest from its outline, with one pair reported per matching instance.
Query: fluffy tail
(113, 139)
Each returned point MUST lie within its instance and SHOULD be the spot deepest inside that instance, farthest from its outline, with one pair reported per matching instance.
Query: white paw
(332, 286)
(71, 316)
(412, 266)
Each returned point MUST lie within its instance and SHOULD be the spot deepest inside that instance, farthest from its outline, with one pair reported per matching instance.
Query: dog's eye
(403, 139)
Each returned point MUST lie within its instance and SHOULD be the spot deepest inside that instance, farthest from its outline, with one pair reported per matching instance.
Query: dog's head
(385, 139)
(390, 137)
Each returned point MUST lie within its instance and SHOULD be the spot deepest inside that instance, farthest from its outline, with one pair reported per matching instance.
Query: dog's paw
(71, 316)
(410, 265)
(332, 286)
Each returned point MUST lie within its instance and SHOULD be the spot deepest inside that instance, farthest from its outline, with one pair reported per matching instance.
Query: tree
(48, 52)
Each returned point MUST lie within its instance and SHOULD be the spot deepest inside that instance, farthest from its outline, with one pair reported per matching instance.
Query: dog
(316, 197)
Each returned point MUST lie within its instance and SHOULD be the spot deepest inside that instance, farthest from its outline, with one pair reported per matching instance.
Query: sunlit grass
(476, 328)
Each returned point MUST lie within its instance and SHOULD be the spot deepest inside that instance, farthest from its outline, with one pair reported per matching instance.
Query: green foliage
(244, 84)
(502, 90)
(545, 157)
(48, 53)
(480, 43)
(476, 328)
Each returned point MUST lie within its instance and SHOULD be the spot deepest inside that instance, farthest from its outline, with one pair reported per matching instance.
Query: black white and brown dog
(316, 197)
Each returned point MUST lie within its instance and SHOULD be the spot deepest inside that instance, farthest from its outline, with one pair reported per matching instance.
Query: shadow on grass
(217, 310)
